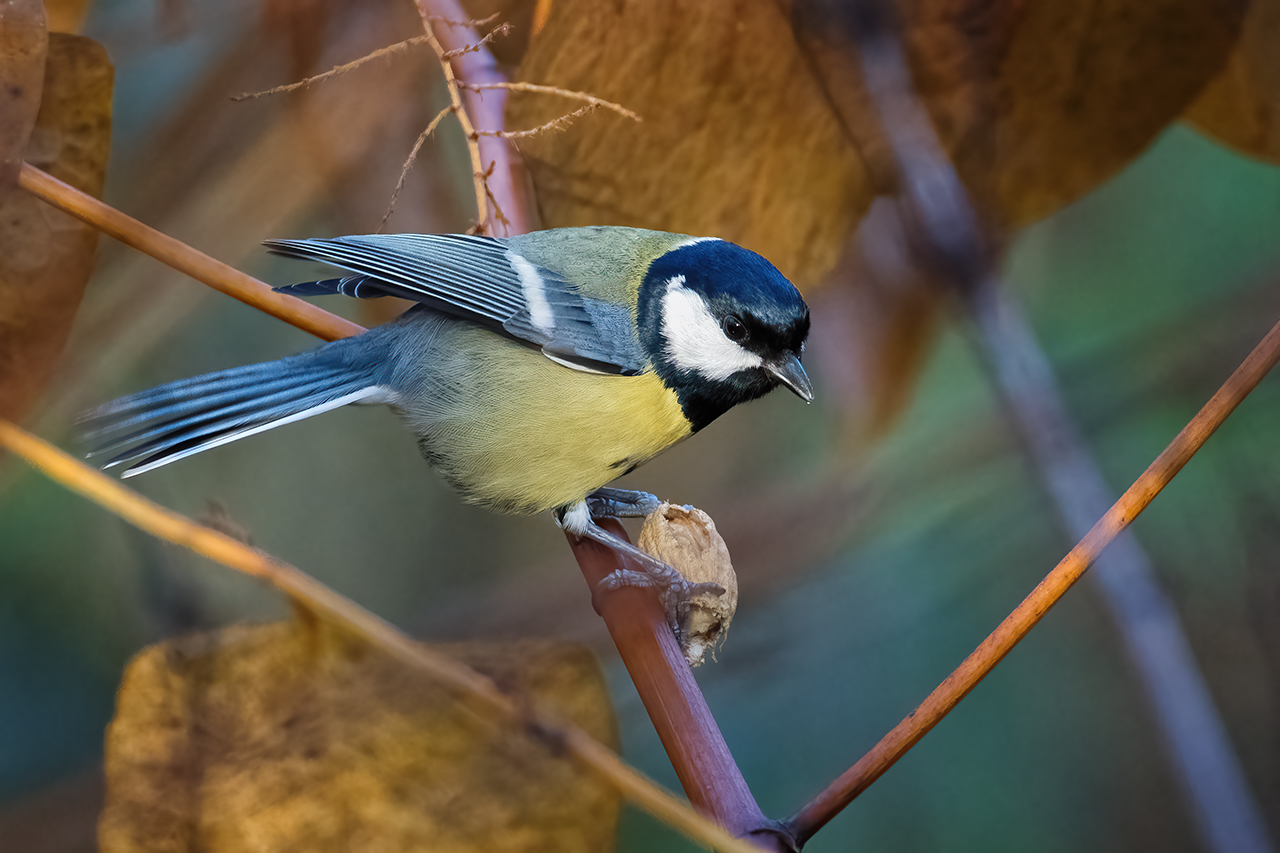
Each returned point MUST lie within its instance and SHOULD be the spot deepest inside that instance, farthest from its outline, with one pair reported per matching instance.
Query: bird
(533, 369)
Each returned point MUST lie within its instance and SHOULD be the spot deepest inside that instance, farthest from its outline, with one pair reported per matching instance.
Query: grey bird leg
(674, 590)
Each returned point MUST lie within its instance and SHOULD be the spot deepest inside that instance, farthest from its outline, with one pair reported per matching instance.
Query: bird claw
(674, 591)
(620, 503)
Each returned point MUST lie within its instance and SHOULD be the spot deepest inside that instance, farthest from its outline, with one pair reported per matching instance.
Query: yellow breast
(520, 433)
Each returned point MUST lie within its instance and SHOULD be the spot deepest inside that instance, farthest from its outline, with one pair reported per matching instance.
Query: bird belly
(516, 432)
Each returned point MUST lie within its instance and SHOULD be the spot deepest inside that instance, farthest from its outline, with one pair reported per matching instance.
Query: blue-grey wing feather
(475, 278)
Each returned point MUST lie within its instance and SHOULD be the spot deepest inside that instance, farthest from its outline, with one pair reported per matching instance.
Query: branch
(1033, 608)
(479, 690)
(398, 47)
(554, 90)
(671, 695)
(496, 166)
(185, 259)
(555, 124)
(408, 163)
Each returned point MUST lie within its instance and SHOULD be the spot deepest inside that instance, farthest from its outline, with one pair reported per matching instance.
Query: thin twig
(498, 215)
(1033, 608)
(398, 47)
(185, 259)
(479, 690)
(448, 55)
(456, 105)
(949, 246)
(554, 124)
(554, 90)
(408, 164)
(496, 166)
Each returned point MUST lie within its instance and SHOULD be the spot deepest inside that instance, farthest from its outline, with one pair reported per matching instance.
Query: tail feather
(113, 426)
(239, 412)
(189, 413)
(182, 418)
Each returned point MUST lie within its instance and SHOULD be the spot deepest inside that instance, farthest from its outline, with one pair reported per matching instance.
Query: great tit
(534, 369)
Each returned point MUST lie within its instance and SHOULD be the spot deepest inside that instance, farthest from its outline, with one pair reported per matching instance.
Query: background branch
(478, 690)
(183, 258)
(497, 168)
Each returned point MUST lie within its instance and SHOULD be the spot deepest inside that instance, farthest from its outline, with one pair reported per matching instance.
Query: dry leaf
(1040, 102)
(1037, 103)
(46, 256)
(1242, 105)
(66, 16)
(738, 139)
(295, 736)
(23, 42)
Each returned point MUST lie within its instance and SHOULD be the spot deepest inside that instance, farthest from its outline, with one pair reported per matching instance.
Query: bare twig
(502, 30)
(1016, 626)
(398, 47)
(479, 691)
(555, 124)
(554, 90)
(496, 166)
(1195, 736)
(408, 164)
(185, 259)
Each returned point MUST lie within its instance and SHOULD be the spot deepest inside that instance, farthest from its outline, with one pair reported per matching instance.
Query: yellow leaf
(294, 736)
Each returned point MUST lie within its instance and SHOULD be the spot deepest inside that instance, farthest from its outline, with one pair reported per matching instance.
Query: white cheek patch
(694, 339)
(535, 296)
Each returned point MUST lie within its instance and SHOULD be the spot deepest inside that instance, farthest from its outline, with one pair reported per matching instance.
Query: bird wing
(480, 279)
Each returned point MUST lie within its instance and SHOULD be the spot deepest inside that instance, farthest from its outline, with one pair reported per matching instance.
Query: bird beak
(790, 373)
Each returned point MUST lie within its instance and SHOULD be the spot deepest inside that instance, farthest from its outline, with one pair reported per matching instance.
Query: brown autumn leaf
(23, 43)
(1241, 107)
(747, 138)
(46, 256)
(296, 736)
(1038, 103)
(66, 16)
(738, 139)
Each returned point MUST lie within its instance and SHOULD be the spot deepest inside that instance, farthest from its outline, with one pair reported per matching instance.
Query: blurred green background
(1146, 294)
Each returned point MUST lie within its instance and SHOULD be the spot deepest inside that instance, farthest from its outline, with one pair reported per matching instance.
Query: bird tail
(173, 421)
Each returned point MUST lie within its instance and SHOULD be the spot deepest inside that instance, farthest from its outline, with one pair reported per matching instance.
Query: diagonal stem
(183, 258)
(1010, 632)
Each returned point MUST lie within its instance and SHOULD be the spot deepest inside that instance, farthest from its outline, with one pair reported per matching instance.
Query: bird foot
(674, 591)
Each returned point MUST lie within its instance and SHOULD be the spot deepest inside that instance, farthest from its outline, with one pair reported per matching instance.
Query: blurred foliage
(295, 736)
(1147, 292)
(46, 256)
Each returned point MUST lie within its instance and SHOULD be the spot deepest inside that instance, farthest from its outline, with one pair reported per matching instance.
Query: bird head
(722, 326)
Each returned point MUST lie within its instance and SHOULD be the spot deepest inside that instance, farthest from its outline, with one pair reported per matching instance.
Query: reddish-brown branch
(688, 731)
(1136, 498)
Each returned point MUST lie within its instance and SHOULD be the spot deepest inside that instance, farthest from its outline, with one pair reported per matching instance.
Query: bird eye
(734, 330)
